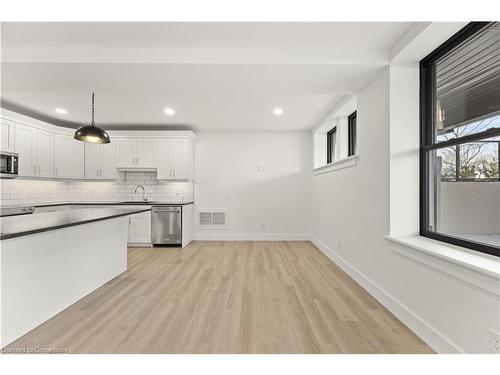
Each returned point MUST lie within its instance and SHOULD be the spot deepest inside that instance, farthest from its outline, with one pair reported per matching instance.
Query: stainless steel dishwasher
(166, 225)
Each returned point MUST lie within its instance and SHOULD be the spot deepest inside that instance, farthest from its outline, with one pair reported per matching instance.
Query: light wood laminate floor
(227, 297)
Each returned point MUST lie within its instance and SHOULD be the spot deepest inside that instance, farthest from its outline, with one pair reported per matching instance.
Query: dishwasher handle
(167, 209)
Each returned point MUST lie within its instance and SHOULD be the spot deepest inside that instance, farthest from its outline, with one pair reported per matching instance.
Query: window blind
(468, 81)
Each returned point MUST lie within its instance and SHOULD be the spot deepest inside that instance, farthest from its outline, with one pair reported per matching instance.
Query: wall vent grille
(212, 219)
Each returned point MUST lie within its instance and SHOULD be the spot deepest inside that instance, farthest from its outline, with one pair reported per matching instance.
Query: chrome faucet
(144, 198)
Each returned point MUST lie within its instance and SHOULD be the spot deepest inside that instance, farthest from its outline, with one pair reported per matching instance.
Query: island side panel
(44, 273)
(187, 224)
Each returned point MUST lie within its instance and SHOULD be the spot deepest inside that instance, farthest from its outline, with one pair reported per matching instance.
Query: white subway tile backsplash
(25, 192)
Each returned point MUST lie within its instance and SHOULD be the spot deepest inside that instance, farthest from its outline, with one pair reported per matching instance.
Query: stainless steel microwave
(9, 164)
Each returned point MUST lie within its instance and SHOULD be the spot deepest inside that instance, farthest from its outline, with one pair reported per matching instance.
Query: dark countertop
(128, 203)
(23, 225)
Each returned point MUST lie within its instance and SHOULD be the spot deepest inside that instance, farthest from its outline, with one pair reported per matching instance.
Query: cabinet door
(69, 157)
(44, 153)
(25, 146)
(165, 166)
(108, 162)
(146, 152)
(8, 135)
(140, 228)
(126, 153)
(180, 149)
(92, 160)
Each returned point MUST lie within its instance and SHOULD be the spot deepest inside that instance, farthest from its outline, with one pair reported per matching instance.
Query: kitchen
(206, 188)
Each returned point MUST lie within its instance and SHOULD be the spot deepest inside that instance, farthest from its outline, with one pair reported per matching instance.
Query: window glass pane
(471, 161)
(467, 86)
(333, 140)
(467, 208)
(446, 163)
(352, 134)
(479, 160)
(471, 128)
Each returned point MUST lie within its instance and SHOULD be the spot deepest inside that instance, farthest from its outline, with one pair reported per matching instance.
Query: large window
(460, 139)
(331, 142)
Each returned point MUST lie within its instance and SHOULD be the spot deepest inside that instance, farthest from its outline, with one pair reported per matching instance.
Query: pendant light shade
(91, 133)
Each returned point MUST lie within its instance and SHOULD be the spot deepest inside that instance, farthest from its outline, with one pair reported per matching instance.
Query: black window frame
(351, 133)
(329, 144)
(427, 134)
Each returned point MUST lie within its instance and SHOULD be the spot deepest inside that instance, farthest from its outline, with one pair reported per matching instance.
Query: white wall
(262, 177)
(350, 216)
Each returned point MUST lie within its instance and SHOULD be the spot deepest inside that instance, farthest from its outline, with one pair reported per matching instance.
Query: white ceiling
(215, 75)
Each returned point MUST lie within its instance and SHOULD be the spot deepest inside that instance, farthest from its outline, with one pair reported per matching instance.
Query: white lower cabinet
(139, 228)
(69, 157)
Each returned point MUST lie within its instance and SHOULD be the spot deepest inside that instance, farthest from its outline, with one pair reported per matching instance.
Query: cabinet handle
(56, 172)
(39, 170)
(34, 170)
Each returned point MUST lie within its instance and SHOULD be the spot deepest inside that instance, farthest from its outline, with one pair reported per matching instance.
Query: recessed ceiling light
(278, 111)
(169, 111)
(61, 110)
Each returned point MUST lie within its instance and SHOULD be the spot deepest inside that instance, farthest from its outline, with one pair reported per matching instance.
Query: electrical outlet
(494, 342)
(339, 245)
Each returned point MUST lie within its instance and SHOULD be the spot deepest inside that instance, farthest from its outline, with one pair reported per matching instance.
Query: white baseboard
(420, 327)
(200, 236)
(139, 244)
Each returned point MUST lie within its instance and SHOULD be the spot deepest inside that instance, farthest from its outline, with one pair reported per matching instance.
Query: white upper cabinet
(100, 161)
(48, 151)
(93, 161)
(69, 157)
(44, 153)
(146, 153)
(175, 159)
(36, 151)
(136, 153)
(8, 135)
(25, 146)
(126, 153)
(180, 158)
(108, 161)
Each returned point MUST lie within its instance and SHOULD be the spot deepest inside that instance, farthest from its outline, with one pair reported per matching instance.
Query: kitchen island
(50, 260)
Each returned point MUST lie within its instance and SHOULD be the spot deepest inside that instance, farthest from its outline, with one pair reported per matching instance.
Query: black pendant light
(91, 133)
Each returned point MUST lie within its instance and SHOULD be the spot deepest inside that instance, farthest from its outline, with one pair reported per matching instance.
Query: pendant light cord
(92, 123)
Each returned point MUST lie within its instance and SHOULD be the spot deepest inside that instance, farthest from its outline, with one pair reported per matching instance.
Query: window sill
(348, 162)
(452, 260)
